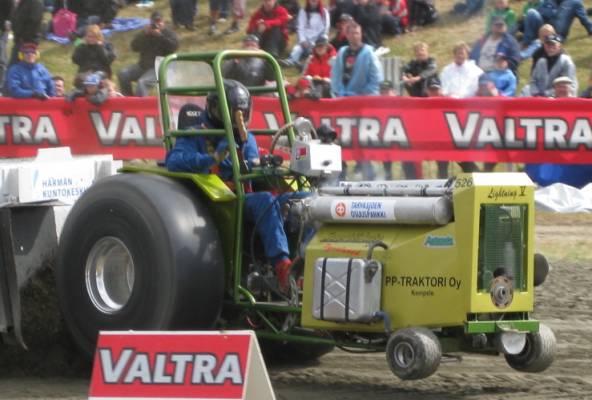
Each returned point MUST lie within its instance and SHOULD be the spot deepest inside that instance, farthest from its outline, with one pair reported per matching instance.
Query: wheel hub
(404, 354)
(109, 274)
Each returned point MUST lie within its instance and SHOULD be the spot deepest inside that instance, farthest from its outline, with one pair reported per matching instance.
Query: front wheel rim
(404, 355)
(109, 274)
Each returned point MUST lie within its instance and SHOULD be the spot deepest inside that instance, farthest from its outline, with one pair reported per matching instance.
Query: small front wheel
(413, 353)
(538, 352)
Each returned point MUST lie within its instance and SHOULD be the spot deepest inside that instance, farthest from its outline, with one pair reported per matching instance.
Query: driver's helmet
(238, 98)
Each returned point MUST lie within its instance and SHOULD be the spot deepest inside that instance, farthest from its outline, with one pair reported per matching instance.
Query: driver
(202, 154)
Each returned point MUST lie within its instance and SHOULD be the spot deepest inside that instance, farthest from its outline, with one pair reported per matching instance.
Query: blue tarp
(119, 25)
(577, 175)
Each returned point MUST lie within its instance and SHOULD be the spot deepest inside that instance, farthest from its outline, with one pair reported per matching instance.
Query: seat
(188, 116)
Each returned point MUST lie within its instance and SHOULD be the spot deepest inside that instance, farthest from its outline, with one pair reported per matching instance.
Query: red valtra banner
(531, 130)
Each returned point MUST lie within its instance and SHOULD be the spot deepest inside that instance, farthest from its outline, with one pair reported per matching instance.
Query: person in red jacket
(319, 66)
(399, 10)
(394, 16)
(270, 24)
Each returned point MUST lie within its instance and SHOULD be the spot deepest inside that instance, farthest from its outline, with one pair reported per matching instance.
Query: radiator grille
(502, 244)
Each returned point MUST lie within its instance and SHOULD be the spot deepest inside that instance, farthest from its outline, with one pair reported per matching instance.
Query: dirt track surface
(564, 303)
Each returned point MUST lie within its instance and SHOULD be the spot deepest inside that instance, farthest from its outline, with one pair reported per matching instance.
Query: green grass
(440, 37)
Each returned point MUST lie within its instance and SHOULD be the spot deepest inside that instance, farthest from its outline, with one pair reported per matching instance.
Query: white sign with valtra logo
(176, 365)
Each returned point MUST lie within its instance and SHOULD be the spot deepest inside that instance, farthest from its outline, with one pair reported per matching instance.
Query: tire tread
(427, 349)
(540, 357)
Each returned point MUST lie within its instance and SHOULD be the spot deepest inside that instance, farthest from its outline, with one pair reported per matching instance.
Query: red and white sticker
(179, 365)
(340, 209)
(301, 153)
(363, 210)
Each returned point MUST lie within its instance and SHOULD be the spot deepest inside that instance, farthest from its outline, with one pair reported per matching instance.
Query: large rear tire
(538, 353)
(138, 252)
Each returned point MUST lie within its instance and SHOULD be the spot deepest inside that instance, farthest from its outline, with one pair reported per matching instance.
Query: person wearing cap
(340, 38)
(29, 78)
(153, 41)
(250, 71)
(562, 88)
(318, 67)
(313, 22)
(386, 88)
(535, 49)
(502, 10)
(337, 8)
(27, 18)
(270, 23)
(560, 14)
(497, 41)
(92, 89)
(418, 70)
(94, 54)
(460, 78)
(251, 42)
(553, 64)
(503, 79)
(301, 90)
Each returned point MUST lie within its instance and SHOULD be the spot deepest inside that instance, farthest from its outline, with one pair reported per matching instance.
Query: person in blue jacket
(356, 70)
(503, 78)
(497, 41)
(559, 13)
(199, 154)
(29, 79)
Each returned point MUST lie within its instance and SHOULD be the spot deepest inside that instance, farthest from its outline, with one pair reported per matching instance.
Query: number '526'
(463, 182)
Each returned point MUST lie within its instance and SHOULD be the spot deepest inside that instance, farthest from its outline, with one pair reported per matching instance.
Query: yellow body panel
(429, 272)
(211, 184)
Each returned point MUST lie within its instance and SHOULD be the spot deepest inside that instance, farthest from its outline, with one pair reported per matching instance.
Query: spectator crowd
(345, 63)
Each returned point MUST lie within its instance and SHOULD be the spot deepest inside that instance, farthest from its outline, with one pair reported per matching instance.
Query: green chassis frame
(209, 185)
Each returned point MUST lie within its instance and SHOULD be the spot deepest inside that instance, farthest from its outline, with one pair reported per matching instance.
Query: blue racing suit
(195, 154)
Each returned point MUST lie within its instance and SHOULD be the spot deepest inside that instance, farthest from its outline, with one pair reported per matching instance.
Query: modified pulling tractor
(419, 269)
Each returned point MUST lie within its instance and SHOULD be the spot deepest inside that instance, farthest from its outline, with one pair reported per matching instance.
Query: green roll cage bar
(215, 61)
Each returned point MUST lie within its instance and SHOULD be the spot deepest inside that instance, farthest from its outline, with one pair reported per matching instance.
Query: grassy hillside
(440, 38)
